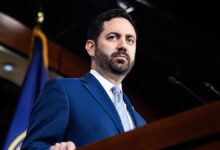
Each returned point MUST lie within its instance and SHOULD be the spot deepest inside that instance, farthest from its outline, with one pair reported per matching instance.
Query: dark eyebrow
(118, 34)
(113, 33)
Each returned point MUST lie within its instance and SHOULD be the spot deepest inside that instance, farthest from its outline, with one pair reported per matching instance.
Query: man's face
(116, 46)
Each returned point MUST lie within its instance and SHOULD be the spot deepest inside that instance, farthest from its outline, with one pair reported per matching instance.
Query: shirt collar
(107, 85)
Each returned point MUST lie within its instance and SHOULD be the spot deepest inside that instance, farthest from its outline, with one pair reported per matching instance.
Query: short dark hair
(96, 26)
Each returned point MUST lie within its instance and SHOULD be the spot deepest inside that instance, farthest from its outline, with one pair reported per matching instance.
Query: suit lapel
(100, 95)
(131, 111)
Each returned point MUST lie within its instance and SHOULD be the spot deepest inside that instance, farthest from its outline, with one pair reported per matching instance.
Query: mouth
(121, 56)
(121, 59)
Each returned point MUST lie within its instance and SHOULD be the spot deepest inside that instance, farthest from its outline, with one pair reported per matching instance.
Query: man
(77, 111)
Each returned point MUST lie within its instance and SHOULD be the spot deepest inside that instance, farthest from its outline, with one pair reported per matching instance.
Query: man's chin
(120, 69)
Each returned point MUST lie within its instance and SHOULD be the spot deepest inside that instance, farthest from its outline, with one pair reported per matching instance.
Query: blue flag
(34, 81)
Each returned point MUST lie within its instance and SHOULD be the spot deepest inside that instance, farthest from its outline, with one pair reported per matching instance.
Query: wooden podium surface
(198, 128)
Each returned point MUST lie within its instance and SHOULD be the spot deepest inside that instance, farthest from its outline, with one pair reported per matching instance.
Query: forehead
(119, 25)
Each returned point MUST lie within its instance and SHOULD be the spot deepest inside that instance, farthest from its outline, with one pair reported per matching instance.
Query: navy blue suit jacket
(74, 109)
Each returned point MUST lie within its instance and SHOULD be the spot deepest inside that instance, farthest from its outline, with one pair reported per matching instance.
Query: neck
(111, 77)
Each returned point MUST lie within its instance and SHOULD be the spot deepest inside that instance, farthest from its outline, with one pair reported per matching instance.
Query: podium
(198, 129)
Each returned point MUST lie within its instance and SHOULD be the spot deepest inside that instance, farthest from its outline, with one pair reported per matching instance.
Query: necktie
(119, 105)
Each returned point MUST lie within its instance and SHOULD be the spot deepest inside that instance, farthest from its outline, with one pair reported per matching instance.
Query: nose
(122, 45)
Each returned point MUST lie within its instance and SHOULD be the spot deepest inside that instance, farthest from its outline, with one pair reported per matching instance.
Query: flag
(34, 81)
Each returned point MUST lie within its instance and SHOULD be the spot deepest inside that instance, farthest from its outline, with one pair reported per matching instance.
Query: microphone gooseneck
(174, 81)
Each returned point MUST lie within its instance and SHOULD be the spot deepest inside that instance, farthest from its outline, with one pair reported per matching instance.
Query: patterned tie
(118, 100)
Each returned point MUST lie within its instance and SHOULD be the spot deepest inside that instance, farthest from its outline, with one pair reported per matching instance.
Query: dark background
(179, 38)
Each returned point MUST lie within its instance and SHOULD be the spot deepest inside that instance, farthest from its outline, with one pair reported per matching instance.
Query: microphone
(172, 80)
(211, 88)
(145, 3)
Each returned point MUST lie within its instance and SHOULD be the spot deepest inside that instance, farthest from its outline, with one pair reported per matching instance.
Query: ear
(90, 47)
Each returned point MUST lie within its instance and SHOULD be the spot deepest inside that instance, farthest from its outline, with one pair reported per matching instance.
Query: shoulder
(69, 80)
(62, 80)
(61, 83)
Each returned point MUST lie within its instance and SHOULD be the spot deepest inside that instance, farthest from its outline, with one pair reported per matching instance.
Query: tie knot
(117, 94)
(116, 90)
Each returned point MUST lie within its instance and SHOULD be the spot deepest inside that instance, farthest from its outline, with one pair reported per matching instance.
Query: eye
(112, 37)
(130, 41)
